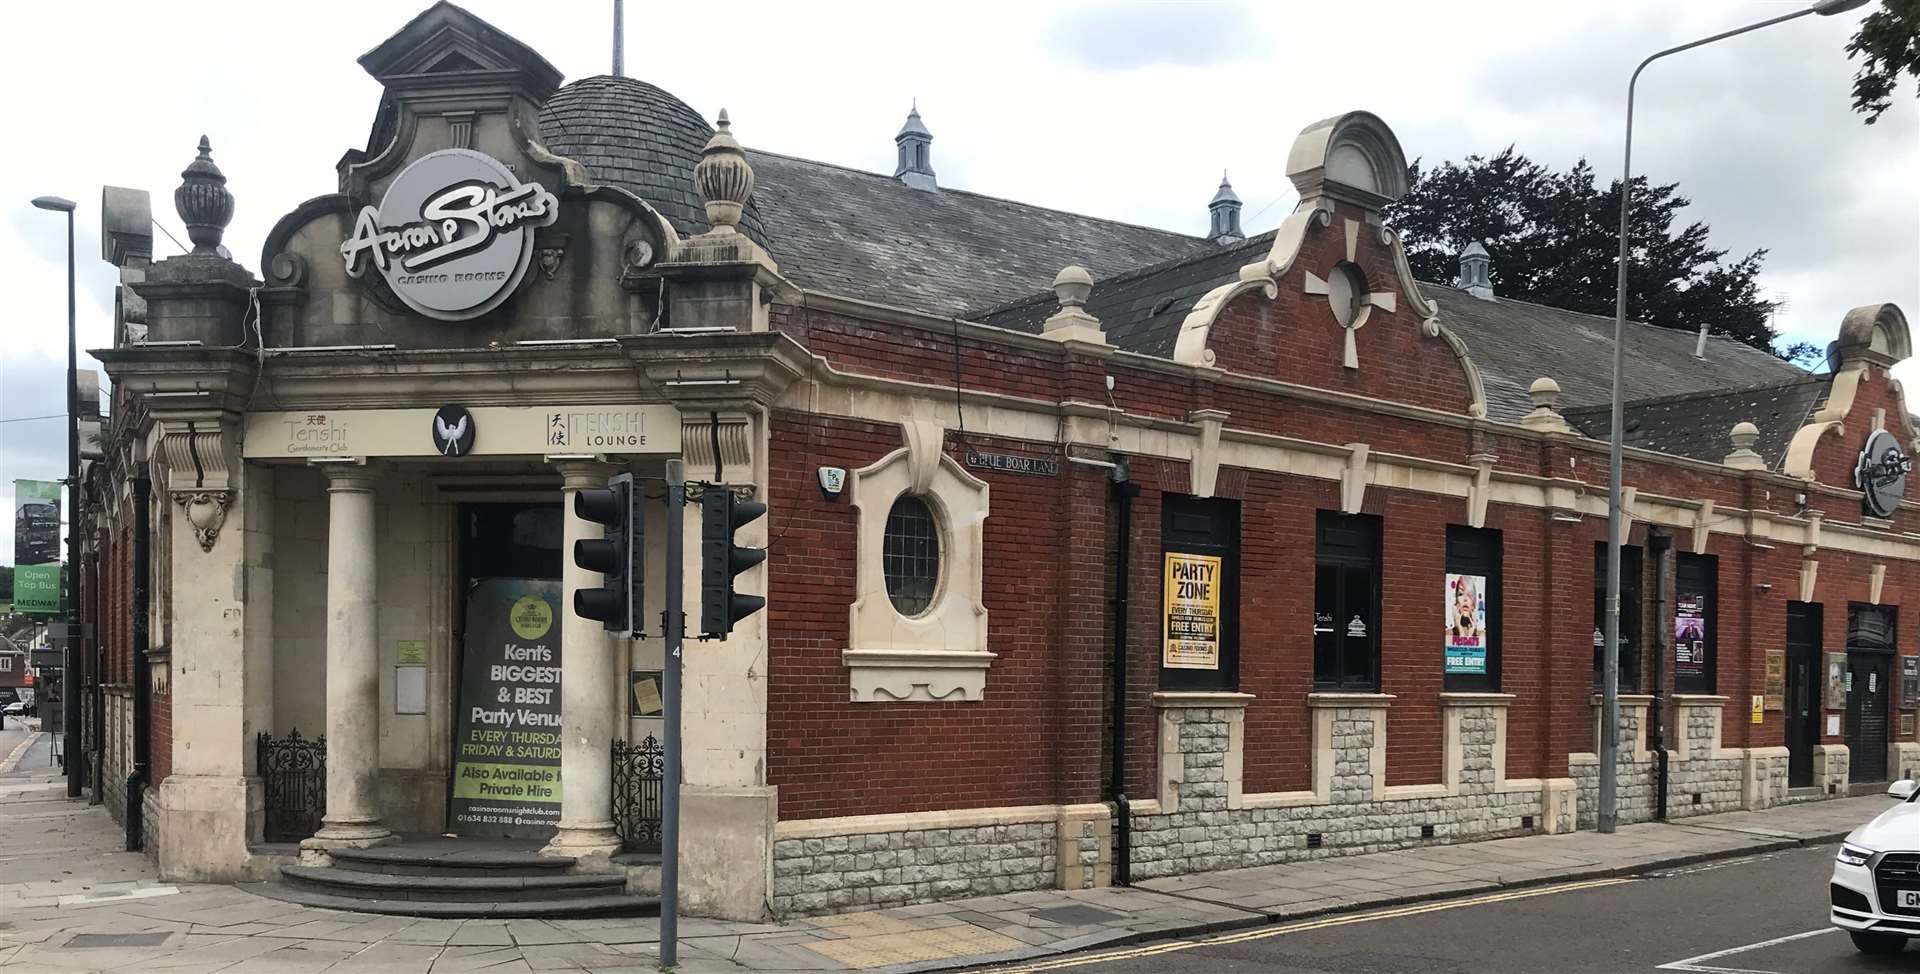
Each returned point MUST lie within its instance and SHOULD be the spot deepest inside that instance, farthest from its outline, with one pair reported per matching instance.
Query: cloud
(1125, 36)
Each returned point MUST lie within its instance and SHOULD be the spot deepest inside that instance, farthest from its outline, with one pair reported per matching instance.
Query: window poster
(1836, 681)
(1690, 636)
(1191, 612)
(1909, 682)
(507, 766)
(1466, 623)
(1776, 680)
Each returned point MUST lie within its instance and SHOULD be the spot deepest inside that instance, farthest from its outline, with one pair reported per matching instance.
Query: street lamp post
(1610, 680)
(70, 577)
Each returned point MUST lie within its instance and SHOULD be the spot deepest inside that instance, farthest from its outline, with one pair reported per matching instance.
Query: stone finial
(203, 202)
(1072, 285)
(1546, 408)
(724, 177)
(1072, 322)
(1744, 435)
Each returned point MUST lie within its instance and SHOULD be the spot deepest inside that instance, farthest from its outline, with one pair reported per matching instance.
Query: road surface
(1759, 915)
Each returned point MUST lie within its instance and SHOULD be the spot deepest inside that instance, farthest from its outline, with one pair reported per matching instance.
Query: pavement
(71, 901)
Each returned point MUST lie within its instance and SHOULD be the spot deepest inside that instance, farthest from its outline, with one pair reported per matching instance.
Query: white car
(1876, 877)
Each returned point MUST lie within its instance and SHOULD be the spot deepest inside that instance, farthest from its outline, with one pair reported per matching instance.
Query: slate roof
(1512, 342)
(868, 236)
(642, 139)
(1697, 424)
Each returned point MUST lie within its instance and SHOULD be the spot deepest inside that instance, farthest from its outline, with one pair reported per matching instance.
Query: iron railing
(636, 794)
(293, 773)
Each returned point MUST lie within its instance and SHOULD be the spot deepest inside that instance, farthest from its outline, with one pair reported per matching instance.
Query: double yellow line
(1263, 933)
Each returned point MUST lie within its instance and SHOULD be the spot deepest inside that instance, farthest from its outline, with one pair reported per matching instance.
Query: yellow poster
(1191, 601)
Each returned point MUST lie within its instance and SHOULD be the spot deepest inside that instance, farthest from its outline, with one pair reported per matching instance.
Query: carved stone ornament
(724, 178)
(206, 511)
(550, 253)
(203, 201)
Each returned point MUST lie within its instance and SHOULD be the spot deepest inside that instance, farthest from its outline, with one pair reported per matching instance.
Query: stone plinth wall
(1724, 779)
(892, 863)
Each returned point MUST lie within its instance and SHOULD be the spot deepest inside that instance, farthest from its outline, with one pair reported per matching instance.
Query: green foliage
(1554, 238)
(1888, 46)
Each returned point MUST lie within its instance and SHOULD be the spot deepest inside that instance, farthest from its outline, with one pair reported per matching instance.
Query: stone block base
(201, 834)
(726, 859)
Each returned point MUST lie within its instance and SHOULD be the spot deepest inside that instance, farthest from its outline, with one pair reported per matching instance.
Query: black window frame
(1347, 548)
(1698, 575)
(1477, 551)
(890, 558)
(1204, 526)
(1632, 629)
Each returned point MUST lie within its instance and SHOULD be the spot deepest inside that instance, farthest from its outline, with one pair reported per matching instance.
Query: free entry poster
(1190, 632)
(1466, 623)
(507, 770)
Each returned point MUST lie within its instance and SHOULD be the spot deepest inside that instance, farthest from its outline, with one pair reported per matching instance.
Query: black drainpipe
(1124, 491)
(1659, 544)
(142, 679)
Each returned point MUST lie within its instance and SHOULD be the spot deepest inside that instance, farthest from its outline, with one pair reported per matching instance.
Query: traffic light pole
(673, 628)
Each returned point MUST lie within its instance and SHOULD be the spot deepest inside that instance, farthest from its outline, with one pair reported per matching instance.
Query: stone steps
(444, 877)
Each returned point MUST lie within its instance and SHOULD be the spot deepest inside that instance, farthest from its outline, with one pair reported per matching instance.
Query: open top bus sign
(453, 234)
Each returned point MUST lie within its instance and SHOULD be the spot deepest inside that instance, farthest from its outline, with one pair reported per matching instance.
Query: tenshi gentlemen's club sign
(453, 234)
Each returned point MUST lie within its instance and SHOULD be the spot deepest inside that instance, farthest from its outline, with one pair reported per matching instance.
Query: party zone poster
(1191, 612)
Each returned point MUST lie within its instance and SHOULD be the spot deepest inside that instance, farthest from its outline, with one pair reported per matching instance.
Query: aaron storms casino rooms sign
(453, 233)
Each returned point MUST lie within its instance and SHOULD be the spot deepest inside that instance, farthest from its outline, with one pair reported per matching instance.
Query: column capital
(348, 474)
(582, 474)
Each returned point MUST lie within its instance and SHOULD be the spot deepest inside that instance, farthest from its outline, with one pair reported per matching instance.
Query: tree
(1888, 44)
(1554, 237)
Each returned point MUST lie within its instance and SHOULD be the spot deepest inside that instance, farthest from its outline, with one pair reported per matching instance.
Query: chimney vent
(1476, 271)
(1225, 208)
(916, 152)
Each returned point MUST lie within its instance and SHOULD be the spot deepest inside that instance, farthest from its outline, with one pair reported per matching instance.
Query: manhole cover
(1076, 916)
(118, 939)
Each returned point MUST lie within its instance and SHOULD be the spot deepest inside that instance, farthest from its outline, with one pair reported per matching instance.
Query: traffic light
(616, 555)
(721, 514)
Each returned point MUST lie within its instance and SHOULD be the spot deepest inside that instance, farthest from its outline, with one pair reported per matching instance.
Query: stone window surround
(940, 654)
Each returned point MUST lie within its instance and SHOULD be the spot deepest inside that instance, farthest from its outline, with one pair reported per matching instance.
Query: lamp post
(70, 575)
(1610, 680)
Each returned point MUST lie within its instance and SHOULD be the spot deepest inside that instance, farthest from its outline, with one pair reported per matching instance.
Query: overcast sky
(1120, 110)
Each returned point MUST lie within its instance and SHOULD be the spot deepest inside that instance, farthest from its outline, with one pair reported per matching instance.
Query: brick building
(1094, 551)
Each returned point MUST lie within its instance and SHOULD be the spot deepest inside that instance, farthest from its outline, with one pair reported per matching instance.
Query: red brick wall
(1295, 336)
(1035, 738)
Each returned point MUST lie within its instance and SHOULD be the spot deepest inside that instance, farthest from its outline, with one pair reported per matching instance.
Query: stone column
(590, 692)
(353, 662)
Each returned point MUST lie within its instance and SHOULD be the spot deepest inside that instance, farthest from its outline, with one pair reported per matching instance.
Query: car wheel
(1868, 942)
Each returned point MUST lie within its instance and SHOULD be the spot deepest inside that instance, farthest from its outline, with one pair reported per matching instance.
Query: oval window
(910, 556)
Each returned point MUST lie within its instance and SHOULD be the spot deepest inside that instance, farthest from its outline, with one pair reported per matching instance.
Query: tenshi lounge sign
(453, 234)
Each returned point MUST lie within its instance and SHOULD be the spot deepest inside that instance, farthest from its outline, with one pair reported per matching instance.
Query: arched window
(910, 556)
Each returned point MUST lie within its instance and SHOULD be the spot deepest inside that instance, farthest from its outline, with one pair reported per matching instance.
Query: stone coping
(1475, 699)
(1628, 699)
(955, 818)
(1699, 700)
(1379, 701)
(1201, 699)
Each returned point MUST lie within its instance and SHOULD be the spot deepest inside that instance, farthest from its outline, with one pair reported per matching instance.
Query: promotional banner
(1690, 636)
(1191, 612)
(1466, 623)
(507, 770)
(36, 546)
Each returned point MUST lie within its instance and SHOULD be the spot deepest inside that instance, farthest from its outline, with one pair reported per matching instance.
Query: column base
(726, 865)
(596, 841)
(349, 835)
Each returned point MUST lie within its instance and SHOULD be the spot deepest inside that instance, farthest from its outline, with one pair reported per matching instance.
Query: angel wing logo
(453, 431)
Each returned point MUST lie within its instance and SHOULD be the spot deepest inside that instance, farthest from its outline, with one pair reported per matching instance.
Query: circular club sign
(453, 431)
(453, 234)
(1881, 474)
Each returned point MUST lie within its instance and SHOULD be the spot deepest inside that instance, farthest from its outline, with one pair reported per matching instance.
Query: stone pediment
(446, 39)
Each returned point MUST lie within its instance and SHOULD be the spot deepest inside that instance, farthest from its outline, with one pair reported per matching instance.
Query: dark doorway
(497, 543)
(1803, 691)
(1200, 595)
(1870, 642)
